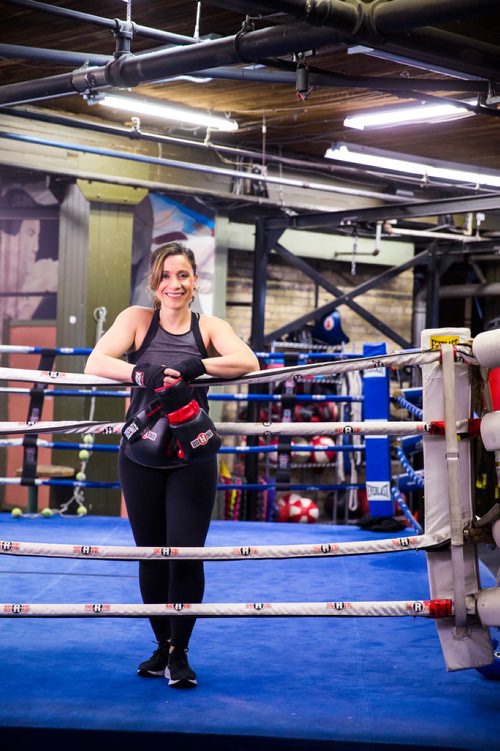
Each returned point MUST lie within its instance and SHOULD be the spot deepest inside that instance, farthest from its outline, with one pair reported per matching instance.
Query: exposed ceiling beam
(438, 207)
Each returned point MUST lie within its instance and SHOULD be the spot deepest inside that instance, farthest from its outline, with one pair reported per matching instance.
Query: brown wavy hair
(158, 259)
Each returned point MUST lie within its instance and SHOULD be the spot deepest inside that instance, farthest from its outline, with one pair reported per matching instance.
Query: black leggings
(170, 508)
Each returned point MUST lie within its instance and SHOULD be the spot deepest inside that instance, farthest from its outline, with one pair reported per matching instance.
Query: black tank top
(160, 347)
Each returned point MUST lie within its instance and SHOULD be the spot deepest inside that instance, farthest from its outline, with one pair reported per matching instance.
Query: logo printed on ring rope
(97, 607)
(166, 552)
(417, 607)
(51, 373)
(325, 547)
(404, 542)
(246, 551)
(86, 549)
(16, 608)
(7, 545)
(259, 606)
(178, 606)
(339, 605)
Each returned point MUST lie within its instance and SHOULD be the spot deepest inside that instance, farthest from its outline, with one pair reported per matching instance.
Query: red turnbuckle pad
(440, 608)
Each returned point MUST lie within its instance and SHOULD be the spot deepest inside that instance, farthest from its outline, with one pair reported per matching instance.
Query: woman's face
(177, 284)
(29, 236)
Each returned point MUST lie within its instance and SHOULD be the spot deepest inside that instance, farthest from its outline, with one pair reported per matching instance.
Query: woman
(169, 502)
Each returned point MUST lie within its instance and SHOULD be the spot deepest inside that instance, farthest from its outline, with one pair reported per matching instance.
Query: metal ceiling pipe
(337, 171)
(377, 18)
(470, 290)
(344, 16)
(401, 15)
(107, 23)
(190, 166)
(59, 57)
(260, 74)
(129, 70)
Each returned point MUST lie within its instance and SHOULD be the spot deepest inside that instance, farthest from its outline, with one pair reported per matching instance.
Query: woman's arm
(106, 357)
(234, 358)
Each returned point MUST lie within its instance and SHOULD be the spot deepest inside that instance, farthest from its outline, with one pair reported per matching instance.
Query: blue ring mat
(282, 683)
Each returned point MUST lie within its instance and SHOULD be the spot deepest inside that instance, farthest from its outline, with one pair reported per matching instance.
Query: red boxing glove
(191, 427)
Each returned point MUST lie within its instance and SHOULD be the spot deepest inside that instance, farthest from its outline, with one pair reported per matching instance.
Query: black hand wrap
(190, 368)
(148, 376)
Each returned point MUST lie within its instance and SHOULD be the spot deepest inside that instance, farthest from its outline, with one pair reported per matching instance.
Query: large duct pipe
(287, 75)
(376, 18)
(402, 15)
(129, 70)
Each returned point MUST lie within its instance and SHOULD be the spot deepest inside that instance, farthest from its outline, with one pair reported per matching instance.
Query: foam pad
(486, 348)
(490, 431)
(496, 532)
(488, 607)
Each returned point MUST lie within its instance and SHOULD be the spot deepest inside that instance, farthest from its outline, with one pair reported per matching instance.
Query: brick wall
(290, 294)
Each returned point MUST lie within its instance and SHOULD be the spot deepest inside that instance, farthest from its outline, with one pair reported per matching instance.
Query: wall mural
(28, 253)
(159, 220)
(29, 249)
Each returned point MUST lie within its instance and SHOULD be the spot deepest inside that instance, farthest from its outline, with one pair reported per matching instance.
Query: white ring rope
(224, 553)
(375, 427)
(264, 429)
(395, 359)
(414, 608)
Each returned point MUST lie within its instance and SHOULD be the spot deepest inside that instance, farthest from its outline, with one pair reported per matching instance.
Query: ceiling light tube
(389, 117)
(393, 162)
(151, 108)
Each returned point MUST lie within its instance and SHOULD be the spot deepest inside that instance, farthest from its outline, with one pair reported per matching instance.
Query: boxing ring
(372, 677)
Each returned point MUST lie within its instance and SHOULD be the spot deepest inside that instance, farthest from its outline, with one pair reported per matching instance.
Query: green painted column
(95, 252)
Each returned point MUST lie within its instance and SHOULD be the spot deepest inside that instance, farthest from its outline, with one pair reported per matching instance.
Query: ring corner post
(453, 572)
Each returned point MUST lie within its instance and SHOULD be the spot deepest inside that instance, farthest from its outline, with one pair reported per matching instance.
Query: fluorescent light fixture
(360, 49)
(390, 116)
(393, 162)
(150, 108)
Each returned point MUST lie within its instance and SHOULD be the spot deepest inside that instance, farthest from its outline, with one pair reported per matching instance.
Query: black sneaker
(155, 666)
(178, 671)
